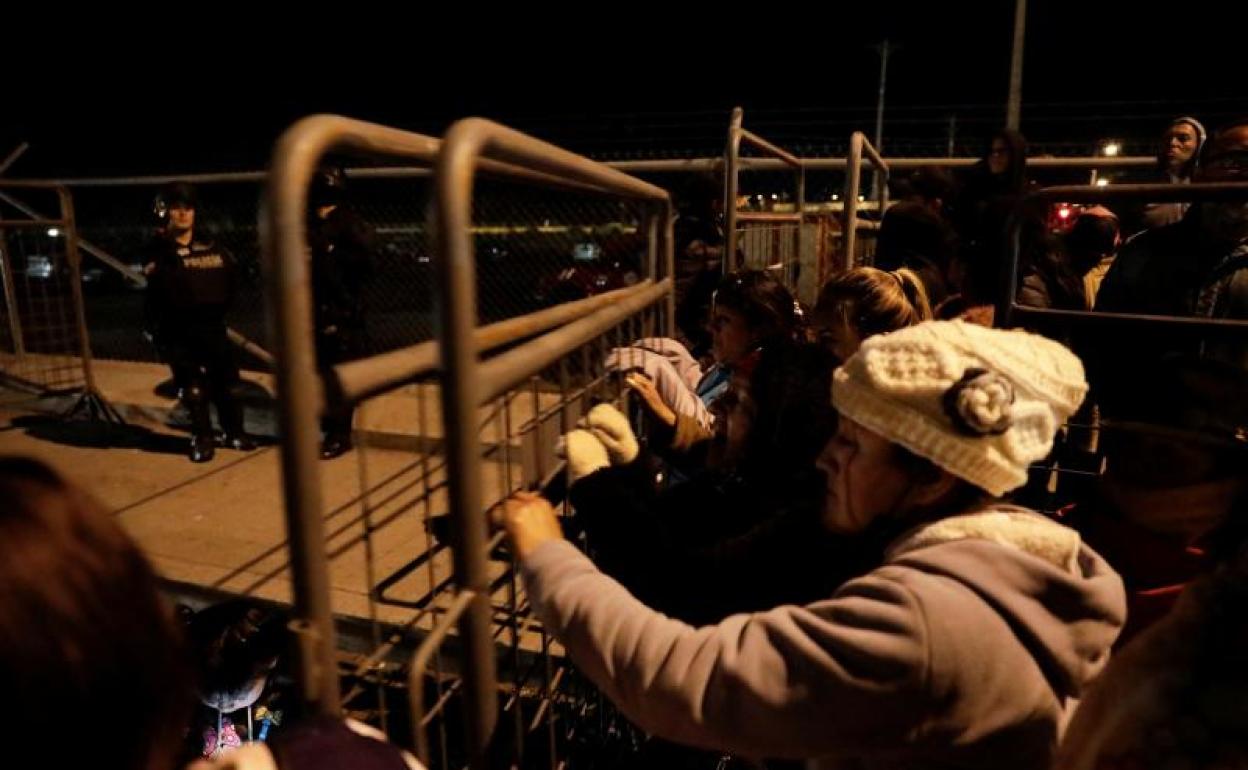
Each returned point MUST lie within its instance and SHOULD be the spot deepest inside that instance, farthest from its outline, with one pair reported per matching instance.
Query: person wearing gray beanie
(1177, 157)
(968, 646)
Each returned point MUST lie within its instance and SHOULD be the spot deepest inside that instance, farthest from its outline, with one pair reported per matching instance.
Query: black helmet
(172, 194)
(329, 184)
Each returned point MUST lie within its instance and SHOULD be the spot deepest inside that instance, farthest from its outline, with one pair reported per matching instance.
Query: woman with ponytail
(865, 301)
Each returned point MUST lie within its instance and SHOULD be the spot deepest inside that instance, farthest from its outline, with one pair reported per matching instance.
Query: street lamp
(1111, 149)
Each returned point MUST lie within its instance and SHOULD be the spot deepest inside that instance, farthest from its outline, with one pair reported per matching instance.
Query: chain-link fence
(42, 340)
(535, 249)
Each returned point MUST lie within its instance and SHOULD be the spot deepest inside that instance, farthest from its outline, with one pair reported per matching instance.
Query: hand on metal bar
(529, 520)
(643, 386)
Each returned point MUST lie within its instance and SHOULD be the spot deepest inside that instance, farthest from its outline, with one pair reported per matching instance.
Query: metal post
(731, 162)
(853, 178)
(457, 310)
(669, 259)
(284, 238)
(797, 237)
(1014, 105)
(12, 157)
(883, 48)
(10, 296)
(75, 277)
(881, 193)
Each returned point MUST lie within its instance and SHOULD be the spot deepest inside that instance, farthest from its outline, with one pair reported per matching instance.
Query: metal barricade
(858, 148)
(483, 429)
(762, 239)
(46, 346)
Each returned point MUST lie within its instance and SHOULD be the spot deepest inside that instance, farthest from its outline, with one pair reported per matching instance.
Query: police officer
(342, 246)
(190, 285)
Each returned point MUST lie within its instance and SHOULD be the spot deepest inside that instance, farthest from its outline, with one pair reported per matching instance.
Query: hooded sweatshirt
(966, 648)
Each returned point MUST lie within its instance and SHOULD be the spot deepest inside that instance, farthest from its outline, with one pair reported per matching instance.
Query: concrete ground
(219, 527)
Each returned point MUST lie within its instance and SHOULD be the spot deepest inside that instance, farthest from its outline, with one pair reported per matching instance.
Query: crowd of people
(815, 535)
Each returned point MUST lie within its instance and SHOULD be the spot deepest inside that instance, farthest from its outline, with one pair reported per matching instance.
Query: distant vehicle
(53, 273)
(39, 267)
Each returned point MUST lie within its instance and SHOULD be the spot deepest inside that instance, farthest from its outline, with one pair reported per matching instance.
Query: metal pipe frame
(65, 221)
(665, 166)
(858, 147)
(1009, 312)
(8, 279)
(365, 378)
(467, 145)
(420, 664)
(284, 239)
(300, 391)
(732, 169)
(732, 152)
(503, 372)
(75, 277)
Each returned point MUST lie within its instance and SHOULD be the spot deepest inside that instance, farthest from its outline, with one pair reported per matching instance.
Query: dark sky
(614, 79)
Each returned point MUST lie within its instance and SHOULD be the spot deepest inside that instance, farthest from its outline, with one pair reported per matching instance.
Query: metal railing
(1011, 312)
(540, 382)
(468, 383)
(777, 225)
(859, 148)
(49, 349)
(1141, 338)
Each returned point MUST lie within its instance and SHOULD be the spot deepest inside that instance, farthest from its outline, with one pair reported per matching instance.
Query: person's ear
(931, 486)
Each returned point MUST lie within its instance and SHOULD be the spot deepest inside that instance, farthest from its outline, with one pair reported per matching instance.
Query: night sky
(618, 80)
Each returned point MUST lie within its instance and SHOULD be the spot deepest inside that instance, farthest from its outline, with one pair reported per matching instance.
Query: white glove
(611, 427)
(584, 453)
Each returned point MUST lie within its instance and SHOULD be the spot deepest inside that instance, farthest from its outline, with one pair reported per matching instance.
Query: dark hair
(768, 308)
(1016, 144)
(911, 233)
(85, 639)
(234, 643)
(933, 182)
(170, 195)
(793, 414)
(1206, 149)
(1092, 234)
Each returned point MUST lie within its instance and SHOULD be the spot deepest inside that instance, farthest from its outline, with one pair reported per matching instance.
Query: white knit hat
(981, 403)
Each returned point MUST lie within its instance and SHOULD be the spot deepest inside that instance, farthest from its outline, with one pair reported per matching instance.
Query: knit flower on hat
(980, 404)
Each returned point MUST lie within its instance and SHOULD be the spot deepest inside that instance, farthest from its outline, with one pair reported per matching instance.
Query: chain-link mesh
(119, 220)
(537, 248)
(534, 249)
(40, 343)
(548, 714)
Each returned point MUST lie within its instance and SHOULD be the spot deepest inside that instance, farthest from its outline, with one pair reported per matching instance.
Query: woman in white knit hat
(967, 647)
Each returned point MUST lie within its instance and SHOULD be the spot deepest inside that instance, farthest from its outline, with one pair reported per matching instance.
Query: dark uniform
(342, 245)
(189, 288)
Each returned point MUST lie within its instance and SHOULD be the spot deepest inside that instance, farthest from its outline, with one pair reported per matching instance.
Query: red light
(1064, 212)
